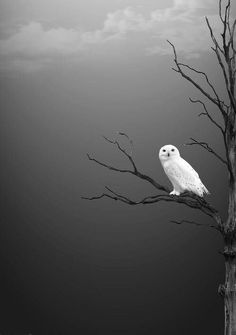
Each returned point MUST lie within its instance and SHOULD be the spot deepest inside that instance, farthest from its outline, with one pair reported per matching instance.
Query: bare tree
(226, 56)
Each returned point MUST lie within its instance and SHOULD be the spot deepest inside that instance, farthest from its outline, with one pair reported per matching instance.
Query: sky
(35, 34)
(71, 72)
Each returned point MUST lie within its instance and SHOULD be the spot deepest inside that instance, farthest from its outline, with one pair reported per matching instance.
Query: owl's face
(168, 152)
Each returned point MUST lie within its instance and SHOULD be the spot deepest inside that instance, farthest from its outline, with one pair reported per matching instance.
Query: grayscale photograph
(118, 167)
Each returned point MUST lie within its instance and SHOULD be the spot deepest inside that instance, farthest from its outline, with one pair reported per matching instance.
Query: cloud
(183, 24)
(32, 40)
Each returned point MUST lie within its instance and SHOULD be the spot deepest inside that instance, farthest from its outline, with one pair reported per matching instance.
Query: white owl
(181, 174)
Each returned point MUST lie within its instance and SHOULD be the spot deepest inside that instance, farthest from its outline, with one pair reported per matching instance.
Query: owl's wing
(183, 175)
(186, 168)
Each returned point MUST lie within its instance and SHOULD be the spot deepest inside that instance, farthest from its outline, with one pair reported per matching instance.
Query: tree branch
(196, 224)
(206, 146)
(134, 171)
(108, 166)
(228, 48)
(116, 143)
(207, 80)
(187, 198)
(206, 113)
(216, 50)
(179, 70)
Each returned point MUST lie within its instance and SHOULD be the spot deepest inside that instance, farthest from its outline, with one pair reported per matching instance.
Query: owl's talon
(174, 193)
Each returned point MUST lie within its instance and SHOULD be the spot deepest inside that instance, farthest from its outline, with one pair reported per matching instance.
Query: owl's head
(168, 151)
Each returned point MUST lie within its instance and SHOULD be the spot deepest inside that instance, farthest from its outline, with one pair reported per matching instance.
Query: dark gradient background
(70, 266)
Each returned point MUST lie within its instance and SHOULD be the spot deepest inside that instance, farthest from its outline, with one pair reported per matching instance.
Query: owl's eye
(172, 149)
(164, 150)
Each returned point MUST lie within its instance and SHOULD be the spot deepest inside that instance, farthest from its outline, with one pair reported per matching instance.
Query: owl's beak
(168, 154)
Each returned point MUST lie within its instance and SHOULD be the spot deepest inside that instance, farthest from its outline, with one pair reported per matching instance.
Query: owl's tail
(205, 190)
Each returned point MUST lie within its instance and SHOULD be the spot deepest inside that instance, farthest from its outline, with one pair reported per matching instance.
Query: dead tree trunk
(229, 289)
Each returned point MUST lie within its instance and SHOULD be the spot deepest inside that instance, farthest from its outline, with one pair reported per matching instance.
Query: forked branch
(134, 171)
(226, 53)
(214, 99)
(189, 199)
(206, 146)
(208, 115)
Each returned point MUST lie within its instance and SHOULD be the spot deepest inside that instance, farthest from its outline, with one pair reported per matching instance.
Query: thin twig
(134, 171)
(196, 224)
(122, 150)
(206, 78)
(206, 146)
(208, 114)
(229, 82)
(193, 82)
(130, 141)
